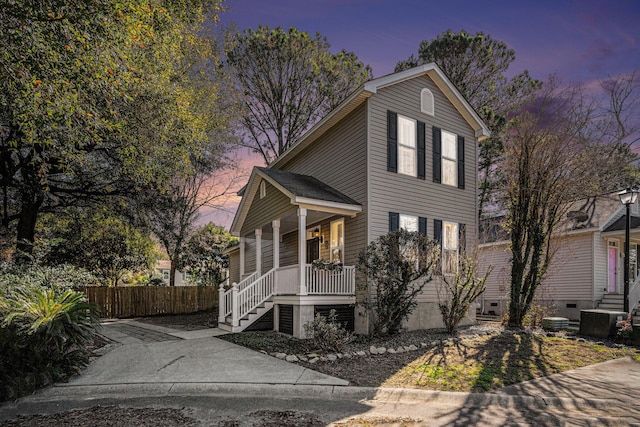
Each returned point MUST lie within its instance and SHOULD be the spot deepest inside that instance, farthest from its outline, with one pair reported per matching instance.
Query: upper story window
(409, 222)
(165, 275)
(407, 157)
(426, 102)
(448, 158)
(405, 145)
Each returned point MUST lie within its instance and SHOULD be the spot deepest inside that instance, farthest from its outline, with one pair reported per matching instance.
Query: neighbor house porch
(290, 256)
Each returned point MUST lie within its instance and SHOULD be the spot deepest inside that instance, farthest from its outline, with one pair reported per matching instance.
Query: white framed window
(449, 247)
(426, 102)
(407, 153)
(337, 240)
(409, 222)
(263, 189)
(166, 275)
(187, 276)
(449, 158)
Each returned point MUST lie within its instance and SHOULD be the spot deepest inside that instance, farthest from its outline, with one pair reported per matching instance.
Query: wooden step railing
(252, 296)
(226, 299)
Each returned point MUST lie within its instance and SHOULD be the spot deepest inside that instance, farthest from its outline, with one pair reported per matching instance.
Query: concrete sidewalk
(214, 380)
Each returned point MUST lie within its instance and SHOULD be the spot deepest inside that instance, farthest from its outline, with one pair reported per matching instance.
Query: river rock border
(375, 350)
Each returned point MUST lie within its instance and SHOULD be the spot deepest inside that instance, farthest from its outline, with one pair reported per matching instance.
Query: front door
(313, 250)
(612, 269)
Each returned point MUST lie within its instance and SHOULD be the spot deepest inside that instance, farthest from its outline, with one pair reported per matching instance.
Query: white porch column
(241, 258)
(222, 309)
(259, 251)
(276, 243)
(302, 251)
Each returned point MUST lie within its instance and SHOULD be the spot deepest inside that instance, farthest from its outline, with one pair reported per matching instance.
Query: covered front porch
(290, 257)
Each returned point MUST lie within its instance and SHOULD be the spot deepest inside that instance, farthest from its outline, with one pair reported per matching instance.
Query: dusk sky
(581, 41)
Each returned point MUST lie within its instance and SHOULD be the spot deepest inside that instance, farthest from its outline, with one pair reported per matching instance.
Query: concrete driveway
(149, 354)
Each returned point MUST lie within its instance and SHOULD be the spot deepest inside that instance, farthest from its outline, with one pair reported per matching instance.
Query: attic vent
(426, 102)
(263, 189)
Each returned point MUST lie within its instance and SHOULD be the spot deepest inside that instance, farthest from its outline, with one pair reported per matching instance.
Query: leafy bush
(397, 265)
(327, 333)
(44, 329)
(537, 312)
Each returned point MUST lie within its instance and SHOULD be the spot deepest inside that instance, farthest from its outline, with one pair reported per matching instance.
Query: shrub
(327, 333)
(461, 289)
(397, 265)
(44, 331)
(537, 312)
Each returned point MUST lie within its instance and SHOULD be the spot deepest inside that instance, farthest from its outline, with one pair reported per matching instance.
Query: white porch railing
(287, 280)
(246, 300)
(247, 295)
(634, 294)
(331, 282)
(225, 301)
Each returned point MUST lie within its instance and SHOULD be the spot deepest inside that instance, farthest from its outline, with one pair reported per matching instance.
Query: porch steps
(614, 302)
(248, 320)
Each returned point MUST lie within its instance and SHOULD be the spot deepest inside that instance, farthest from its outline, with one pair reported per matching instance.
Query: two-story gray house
(401, 151)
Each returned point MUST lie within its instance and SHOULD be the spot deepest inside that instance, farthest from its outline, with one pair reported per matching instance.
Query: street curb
(63, 392)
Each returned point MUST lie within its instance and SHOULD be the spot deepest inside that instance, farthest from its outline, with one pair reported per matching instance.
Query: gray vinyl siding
(395, 192)
(570, 276)
(234, 267)
(249, 256)
(498, 257)
(262, 211)
(289, 249)
(339, 158)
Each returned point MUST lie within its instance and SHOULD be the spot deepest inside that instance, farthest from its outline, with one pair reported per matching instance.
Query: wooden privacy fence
(134, 301)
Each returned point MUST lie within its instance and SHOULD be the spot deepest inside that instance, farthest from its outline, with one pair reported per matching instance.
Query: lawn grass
(491, 362)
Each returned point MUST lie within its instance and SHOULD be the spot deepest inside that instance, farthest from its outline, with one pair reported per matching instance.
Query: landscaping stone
(434, 343)
(323, 359)
(281, 355)
(400, 350)
(373, 350)
(391, 351)
(314, 360)
(347, 355)
(340, 355)
(382, 350)
(291, 358)
(361, 353)
(332, 357)
(581, 340)
(411, 348)
(424, 345)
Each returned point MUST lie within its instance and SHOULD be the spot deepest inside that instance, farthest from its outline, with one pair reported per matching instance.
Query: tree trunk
(172, 274)
(29, 209)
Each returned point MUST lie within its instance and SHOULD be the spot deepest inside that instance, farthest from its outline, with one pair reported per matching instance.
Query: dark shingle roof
(620, 224)
(307, 186)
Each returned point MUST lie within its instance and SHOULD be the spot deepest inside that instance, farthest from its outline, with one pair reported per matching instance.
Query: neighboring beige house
(587, 268)
(401, 151)
(162, 270)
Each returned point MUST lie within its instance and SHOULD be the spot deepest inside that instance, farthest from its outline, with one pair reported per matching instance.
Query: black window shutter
(421, 150)
(422, 225)
(461, 162)
(392, 141)
(394, 221)
(437, 230)
(462, 238)
(437, 155)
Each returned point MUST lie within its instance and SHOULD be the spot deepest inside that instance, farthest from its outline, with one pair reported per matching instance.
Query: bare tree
(553, 156)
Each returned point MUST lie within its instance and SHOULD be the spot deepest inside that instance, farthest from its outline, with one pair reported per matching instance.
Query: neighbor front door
(612, 276)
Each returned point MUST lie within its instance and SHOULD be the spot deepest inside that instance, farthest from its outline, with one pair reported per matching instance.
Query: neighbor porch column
(302, 251)
(259, 251)
(242, 241)
(276, 243)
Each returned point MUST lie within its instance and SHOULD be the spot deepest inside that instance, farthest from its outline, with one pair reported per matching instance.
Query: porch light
(316, 234)
(627, 198)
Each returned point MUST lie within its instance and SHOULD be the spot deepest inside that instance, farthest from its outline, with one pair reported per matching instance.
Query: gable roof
(370, 88)
(303, 190)
(306, 186)
(621, 224)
